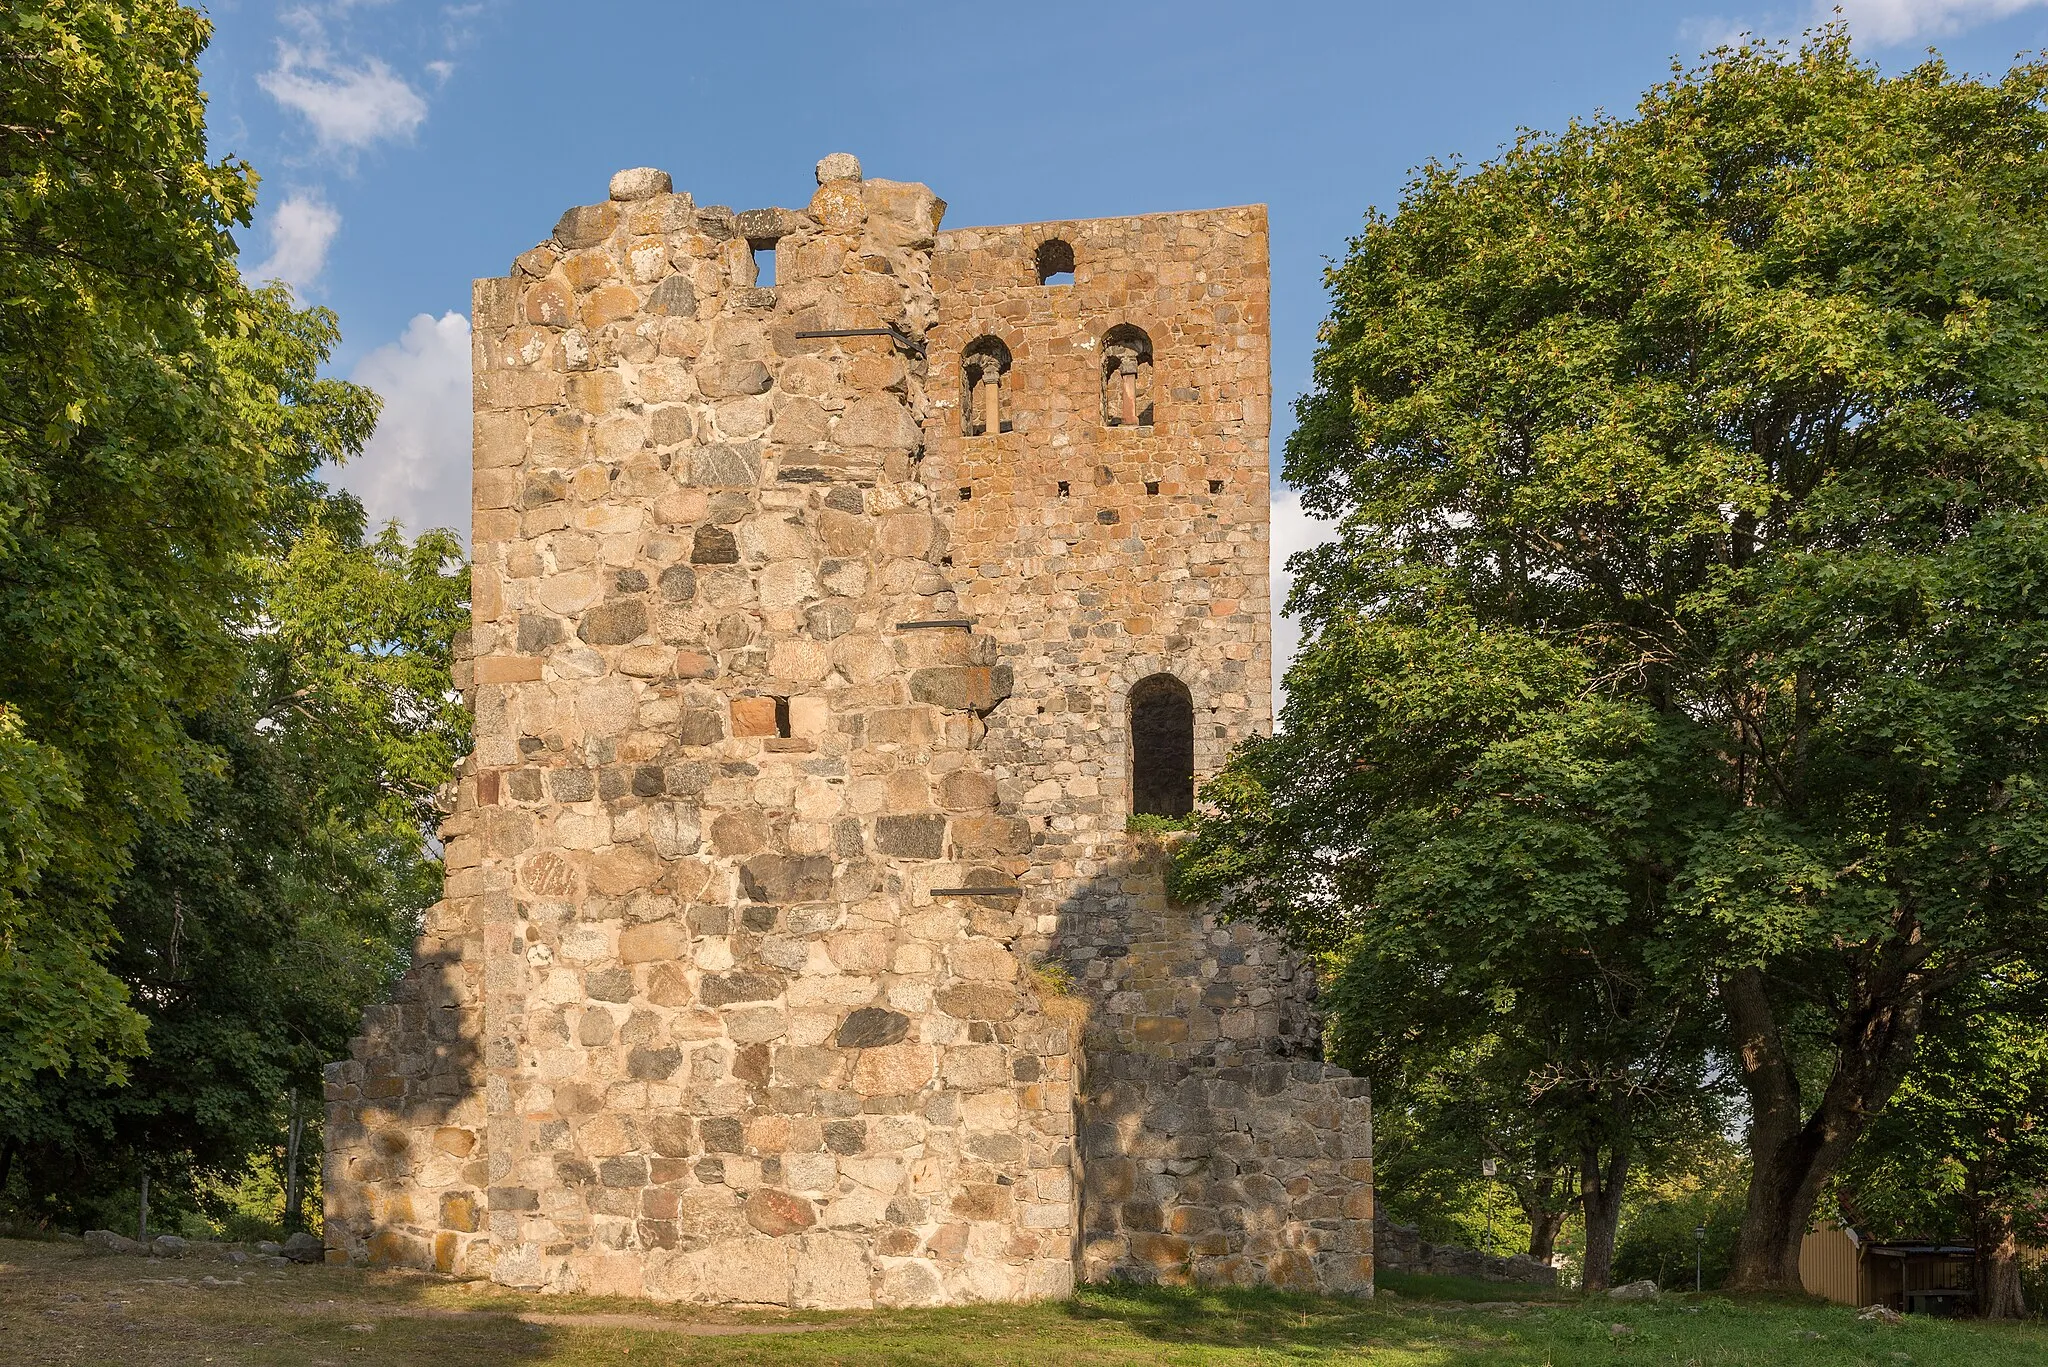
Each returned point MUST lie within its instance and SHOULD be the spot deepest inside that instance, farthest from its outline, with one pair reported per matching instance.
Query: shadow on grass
(57, 1305)
(1247, 1318)
(1428, 1286)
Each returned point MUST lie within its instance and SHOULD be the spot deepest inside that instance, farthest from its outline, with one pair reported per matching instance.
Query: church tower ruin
(827, 634)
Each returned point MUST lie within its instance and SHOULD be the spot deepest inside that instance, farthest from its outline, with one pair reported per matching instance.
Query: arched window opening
(984, 376)
(1162, 747)
(1126, 377)
(1055, 262)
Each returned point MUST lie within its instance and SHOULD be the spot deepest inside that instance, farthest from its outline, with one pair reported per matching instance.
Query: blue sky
(407, 146)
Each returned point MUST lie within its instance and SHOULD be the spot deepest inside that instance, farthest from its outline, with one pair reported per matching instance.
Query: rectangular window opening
(1152, 487)
(782, 718)
(764, 262)
(1064, 491)
(1215, 486)
(965, 494)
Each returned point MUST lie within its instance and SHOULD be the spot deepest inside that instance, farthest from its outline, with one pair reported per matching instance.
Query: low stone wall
(1235, 1177)
(406, 1163)
(1401, 1248)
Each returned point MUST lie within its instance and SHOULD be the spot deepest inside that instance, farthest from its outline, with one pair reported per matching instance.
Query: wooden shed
(1840, 1264)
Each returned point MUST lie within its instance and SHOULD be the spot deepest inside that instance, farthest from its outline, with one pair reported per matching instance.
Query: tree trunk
(1999, 1296)
(294, 1130)
(1545, 1206)
(1544, 1227)
(1600, 1188)
(1791, 1159)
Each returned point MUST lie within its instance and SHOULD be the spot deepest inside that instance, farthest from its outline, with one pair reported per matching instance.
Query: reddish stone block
(753, 716)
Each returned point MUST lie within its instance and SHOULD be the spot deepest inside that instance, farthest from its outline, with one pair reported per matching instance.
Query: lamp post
(1488, 1167)
(1699, 1254)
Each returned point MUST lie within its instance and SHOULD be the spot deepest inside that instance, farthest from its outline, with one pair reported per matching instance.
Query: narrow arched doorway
(1162, 747)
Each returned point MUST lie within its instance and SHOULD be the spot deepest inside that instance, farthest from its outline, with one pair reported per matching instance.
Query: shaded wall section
(1113, 537)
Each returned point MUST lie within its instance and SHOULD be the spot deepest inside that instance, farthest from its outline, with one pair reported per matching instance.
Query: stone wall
(1100, 555)
(1401, 1248)
(1213, 1151)
(772, 661)
(405, 1167)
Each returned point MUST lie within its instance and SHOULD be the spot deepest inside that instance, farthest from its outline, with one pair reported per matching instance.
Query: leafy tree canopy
(253, 930)
(1961, 1154)
(1689, 610)
(159, 425)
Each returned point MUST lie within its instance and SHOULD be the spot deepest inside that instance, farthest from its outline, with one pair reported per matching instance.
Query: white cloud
(349, 107)
(1293, 530)
(301, 229)
(1898, 21)
(1707, 33)
(416, 467)
(1882, 22)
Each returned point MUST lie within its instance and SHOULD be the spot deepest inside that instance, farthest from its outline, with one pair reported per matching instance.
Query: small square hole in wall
(1064, 491)
(764, 263)
(1215, 486)
(1152, 487)
(965, 494)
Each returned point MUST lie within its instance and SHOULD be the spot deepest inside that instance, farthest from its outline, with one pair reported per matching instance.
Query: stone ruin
(1401, 1248)
(826, 634)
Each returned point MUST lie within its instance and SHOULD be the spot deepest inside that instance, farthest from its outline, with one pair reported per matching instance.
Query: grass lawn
(58, 1307)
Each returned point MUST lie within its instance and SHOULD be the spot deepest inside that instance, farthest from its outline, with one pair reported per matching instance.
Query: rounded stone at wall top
(640, 182)
(839, 166)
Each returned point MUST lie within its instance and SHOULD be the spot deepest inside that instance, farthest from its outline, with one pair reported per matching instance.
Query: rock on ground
(1644, 1290)
(305, 1248)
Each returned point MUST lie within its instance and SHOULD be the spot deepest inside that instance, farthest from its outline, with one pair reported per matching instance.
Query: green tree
(1700, 1185)
(1690, 603)
(253, 930)
(137, 472)
(1962, 1151)
(1438, 1116)
(1554, 1046)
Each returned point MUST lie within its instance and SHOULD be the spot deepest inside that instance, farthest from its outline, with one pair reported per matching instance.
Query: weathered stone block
(832, 1273)
(979, 1001)
(502, 669)
(586, 226)
(894, 1069)
(983, 837)
(714, 546)
(871, 1027)
(776, 1213)
(754, 717)
(782, 878)
(642, 944)
(613, 624)
(723, 989)
(962, 688)
(731, 465)
(674, 297)
(641, 182)
(911, 837)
